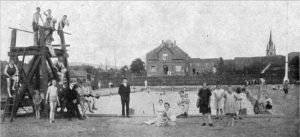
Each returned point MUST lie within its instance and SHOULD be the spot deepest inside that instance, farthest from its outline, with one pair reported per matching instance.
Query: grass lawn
(285, 126)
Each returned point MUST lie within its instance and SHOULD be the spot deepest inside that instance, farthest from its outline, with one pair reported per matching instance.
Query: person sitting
(165, 119)
(160, 107)
(88, 96)
(11, 72)
(61, 69)
(268, 104)
(80, 91)
(92, 96)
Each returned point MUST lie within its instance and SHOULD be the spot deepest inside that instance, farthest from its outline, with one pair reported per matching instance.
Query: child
(181, 104)
(218, 92)
(160, 108)
(230, 105)
(268, 103)
(187, 104)
(52, 97)
(239, 103)
(286, 87)
(37, 99)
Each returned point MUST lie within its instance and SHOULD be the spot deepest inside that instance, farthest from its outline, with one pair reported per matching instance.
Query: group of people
(80, 94)
(228, 100)
(49, 26)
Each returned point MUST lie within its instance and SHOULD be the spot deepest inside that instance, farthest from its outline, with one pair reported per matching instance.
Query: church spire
(270, 40)
(270, 46)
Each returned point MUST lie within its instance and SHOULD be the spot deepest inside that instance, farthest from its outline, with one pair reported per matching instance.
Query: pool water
(144, 103)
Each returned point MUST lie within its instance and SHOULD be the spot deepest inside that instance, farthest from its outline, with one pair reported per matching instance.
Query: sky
(203, 29)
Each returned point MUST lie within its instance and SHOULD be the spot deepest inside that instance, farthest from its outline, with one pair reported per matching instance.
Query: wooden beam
(28, 53)
(57, 45)
(31, 51)
(20, 30)
(31, 31)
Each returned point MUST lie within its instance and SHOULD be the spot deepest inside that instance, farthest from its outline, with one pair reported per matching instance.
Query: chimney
(162, 42)
(175, 42)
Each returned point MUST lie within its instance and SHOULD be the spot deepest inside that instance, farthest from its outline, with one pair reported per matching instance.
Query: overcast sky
(202, 29)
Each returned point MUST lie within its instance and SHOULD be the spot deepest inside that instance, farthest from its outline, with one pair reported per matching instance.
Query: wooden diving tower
(38, 74)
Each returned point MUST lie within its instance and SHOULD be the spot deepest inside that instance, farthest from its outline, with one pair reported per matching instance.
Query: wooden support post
(55, 76)
(65, 58)
(13, 38)
(44, 77)
(37, 78)
(33, 68)
(17, 101)
(42, 36)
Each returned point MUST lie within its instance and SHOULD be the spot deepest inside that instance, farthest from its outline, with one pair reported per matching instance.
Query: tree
(137, 66)
(294, 68)
(221, 66)
(124, 69)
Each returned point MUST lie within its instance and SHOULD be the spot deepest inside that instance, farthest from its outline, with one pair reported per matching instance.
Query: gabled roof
(172, 47)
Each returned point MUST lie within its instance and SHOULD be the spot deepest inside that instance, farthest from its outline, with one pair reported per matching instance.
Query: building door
(166, 69)
(194, 71)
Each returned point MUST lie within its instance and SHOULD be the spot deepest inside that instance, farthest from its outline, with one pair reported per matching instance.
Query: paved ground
(286, 126)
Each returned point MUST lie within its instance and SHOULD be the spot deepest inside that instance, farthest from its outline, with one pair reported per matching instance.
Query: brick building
(168, 59)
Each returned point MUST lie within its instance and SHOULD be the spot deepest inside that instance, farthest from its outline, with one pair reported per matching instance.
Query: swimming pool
(143, 103)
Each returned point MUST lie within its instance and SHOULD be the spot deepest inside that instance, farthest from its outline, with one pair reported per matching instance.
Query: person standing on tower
(64, 21)
(35, 25)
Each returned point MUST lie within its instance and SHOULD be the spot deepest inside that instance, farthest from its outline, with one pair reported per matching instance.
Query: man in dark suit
(124, 91)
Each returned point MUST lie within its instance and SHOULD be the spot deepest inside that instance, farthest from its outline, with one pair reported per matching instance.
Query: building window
(178, 68)
(153, 68)
(165, 56)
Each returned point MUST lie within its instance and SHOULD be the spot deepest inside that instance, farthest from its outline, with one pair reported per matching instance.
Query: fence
(236, 79)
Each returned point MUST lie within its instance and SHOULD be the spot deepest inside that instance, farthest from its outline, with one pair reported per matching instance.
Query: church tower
(271, 51)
